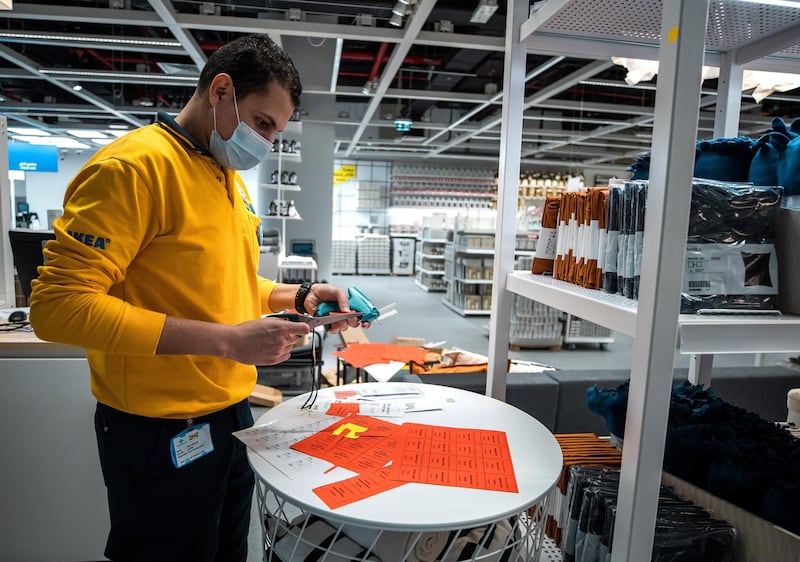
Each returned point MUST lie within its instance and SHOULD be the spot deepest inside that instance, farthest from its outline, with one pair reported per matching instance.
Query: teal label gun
(358, 302)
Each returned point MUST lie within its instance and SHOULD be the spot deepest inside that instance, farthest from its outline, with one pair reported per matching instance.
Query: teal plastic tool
(358, 302)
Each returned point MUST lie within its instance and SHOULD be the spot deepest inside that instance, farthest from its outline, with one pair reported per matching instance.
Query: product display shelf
(281, 186)
(468, 272)
(697, 335)
(470, 276)
(654, 322)
(430, 264)
(413, 186)
(274, 206)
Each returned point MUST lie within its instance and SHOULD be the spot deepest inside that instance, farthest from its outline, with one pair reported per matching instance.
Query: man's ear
(221, 86)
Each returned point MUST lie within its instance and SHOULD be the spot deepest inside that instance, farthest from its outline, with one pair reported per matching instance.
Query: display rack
(429, 264)
(432, 187)
(677, 39)
(469, 268)
(279, 180)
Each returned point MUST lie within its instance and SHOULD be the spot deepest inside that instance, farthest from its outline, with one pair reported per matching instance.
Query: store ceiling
(132, 58)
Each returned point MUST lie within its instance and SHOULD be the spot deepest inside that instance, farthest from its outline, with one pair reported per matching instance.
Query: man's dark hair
(253, 62)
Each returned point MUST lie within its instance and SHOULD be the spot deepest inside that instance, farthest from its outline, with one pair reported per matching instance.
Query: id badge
(191, 444)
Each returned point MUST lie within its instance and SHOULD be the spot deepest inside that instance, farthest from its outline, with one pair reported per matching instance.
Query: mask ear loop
(235, 105)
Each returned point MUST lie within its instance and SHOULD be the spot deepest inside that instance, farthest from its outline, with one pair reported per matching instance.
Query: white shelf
(285, 156)
(432, 256)
(473, 281)
(281, 217)
(430, 272)
(738, 334)
(280, 186)
(463, 311)
(610, 310)
(696, 334)
(433, 240)
(297, 262)
(428, 289)
(475, 251)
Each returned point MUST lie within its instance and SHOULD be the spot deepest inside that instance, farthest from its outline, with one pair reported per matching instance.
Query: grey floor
(422, 314)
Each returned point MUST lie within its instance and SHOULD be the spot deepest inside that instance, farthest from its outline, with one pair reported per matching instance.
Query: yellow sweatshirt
(152, 226)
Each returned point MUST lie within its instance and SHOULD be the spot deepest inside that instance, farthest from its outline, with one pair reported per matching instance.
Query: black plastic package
(731, 261)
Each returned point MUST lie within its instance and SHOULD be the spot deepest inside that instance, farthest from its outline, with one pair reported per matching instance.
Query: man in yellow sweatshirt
(154, 272)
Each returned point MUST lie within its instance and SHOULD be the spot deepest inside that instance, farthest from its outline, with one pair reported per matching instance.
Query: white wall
(45, 190)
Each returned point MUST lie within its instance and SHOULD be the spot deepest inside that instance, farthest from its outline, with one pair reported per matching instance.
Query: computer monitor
(26, 247)
(302, 248)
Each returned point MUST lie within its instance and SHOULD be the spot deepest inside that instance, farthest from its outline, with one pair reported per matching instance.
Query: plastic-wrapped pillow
(769, 152)
(789, 162)
(723, 159)
(640, 168)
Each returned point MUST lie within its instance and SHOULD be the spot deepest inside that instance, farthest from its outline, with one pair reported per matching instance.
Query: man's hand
(322, 292)
(266, 341)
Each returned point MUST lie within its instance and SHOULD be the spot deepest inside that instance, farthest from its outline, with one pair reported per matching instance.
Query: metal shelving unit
(430, 253)
(289, 267)
(737, 34)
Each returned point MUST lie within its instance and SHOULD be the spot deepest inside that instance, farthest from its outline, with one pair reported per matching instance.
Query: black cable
(315, 383)
(13, 326)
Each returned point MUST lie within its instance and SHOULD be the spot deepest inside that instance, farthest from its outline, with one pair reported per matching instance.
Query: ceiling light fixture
(485, 10)
(28, 132)
(370, 87)
(781, 3)
(396, 20)
(399, 8)
(86, 134)
(87, 75)
(77, 87)
(89, 39)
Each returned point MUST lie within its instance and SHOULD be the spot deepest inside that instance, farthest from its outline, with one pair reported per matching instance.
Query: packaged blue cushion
(772, 163)
(722, 159)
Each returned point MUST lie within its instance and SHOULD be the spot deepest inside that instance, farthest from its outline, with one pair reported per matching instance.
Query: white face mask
(243, 150)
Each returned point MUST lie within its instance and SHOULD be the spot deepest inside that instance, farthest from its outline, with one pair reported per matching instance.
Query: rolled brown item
(559, 271)
(594, 223)
(544, 258)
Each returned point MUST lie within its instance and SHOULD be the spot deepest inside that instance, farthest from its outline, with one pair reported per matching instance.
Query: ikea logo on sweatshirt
(90, 239)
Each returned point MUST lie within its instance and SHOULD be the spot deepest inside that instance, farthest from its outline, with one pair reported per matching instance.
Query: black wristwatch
(300, 297)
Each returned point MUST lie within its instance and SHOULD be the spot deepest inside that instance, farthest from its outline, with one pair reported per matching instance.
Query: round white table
(289, 507)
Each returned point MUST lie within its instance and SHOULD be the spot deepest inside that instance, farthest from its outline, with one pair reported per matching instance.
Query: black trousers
(197, 513)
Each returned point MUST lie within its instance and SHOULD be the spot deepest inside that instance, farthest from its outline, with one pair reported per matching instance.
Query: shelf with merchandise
(712, 334)
(720, 30)
(277, 181)
(281, 186)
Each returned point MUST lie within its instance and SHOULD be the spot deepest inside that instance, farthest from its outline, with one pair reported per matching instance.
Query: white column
(7, 292)
(508, 186)
(666, 224)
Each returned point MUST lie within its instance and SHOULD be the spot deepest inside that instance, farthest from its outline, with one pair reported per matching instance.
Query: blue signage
(32, 157)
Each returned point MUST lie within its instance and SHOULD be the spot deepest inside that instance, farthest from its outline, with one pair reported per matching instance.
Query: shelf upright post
(729, 97)
(507, 188)
(681, 54)
(7, 290)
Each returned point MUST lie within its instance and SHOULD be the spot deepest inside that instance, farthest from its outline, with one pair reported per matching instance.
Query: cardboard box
(266, 396)
(407, 340)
